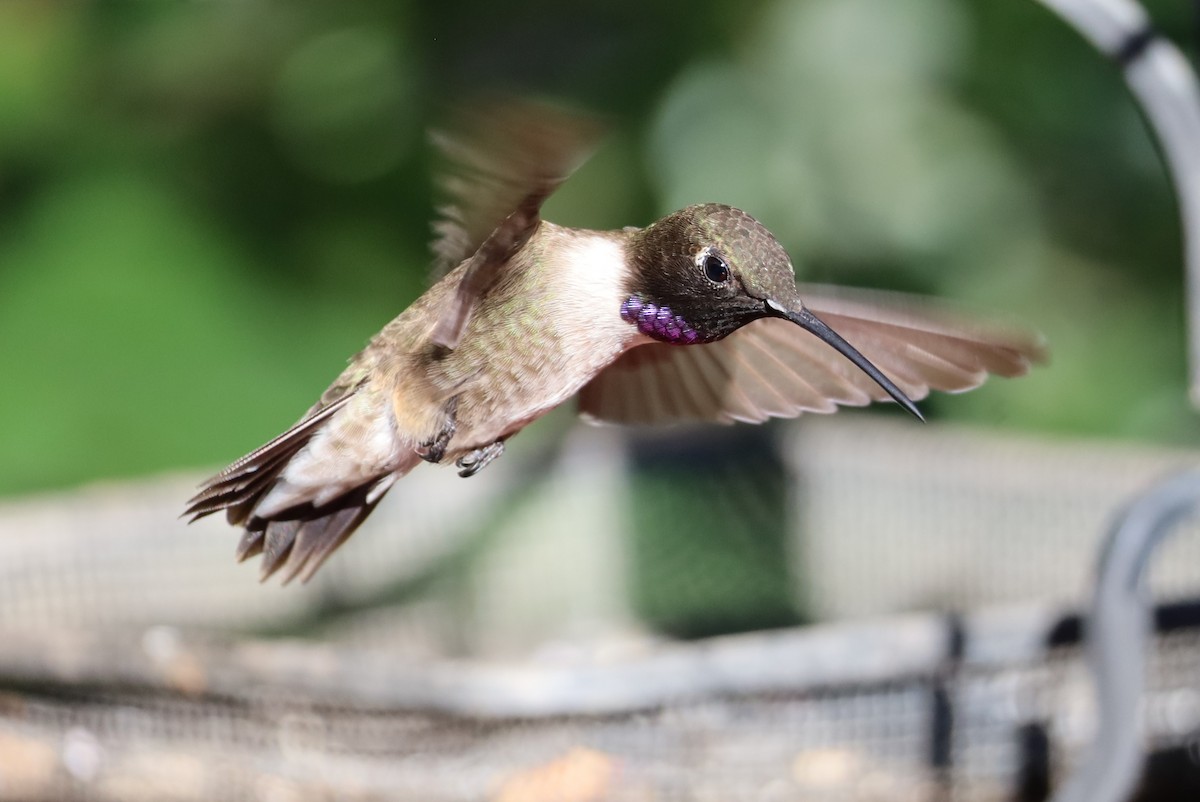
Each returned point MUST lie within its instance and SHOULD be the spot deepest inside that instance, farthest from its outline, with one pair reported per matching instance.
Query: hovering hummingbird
(696, 317)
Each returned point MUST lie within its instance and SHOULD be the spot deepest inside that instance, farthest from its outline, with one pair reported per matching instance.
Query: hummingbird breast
(550, 323)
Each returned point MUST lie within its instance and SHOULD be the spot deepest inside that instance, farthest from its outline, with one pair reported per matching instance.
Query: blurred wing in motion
(772, 368)
(505, 159)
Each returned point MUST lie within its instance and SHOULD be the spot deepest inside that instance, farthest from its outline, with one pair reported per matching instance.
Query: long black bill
(810, 322)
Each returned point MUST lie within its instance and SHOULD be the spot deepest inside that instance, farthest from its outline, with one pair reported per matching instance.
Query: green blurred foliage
(205, 208)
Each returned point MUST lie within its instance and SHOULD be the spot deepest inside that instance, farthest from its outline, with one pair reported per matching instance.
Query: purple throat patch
(658, 322)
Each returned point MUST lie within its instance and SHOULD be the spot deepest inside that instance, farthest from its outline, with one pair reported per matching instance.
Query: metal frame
(1164, 85)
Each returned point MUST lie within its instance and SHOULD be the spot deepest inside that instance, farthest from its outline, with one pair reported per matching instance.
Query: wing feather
(505, 159)
(792, 385)
(834, 380)
(498, 152)
(681, 388)
(773, 368)
(773, 391)
(718, 370)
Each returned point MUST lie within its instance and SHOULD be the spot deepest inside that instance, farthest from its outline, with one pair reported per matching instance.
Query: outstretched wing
(505, 159)
(773, 368)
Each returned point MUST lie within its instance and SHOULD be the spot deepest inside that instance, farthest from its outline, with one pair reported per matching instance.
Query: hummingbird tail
(294, 527)
(242, 484)
(301, 538)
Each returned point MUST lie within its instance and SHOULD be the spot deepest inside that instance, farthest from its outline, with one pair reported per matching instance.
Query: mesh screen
(507, 638)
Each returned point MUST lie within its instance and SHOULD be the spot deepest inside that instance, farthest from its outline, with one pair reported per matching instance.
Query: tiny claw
(479, 459)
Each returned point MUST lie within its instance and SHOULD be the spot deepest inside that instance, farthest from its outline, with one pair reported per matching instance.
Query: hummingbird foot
(480, 458)
(435, 450)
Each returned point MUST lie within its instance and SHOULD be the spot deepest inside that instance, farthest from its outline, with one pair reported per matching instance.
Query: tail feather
(278, 546)
(319, 537)
(249, 476)
(251, 544)
(237, 494)
(299, 543)
(296, 540)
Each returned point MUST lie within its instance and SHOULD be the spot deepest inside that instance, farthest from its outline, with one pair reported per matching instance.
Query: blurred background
(205, 208)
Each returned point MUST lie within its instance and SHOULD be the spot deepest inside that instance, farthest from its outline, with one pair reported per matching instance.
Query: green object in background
(710, 533)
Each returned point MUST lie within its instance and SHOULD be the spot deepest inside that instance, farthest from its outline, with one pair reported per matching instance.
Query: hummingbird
(695, 317)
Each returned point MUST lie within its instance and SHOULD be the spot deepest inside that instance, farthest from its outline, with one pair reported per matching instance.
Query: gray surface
(514, 662)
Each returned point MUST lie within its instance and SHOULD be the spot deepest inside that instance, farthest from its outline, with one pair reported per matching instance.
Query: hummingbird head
(703, 272)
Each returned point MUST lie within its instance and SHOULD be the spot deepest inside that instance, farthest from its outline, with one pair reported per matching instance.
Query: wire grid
(886, 517)
(890, 519)
(858, 742)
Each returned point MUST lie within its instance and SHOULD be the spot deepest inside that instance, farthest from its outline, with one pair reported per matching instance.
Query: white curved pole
(1165, 86)
(1118, 637)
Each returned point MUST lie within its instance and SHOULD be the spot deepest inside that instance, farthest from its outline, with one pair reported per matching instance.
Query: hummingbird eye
(715, 268)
